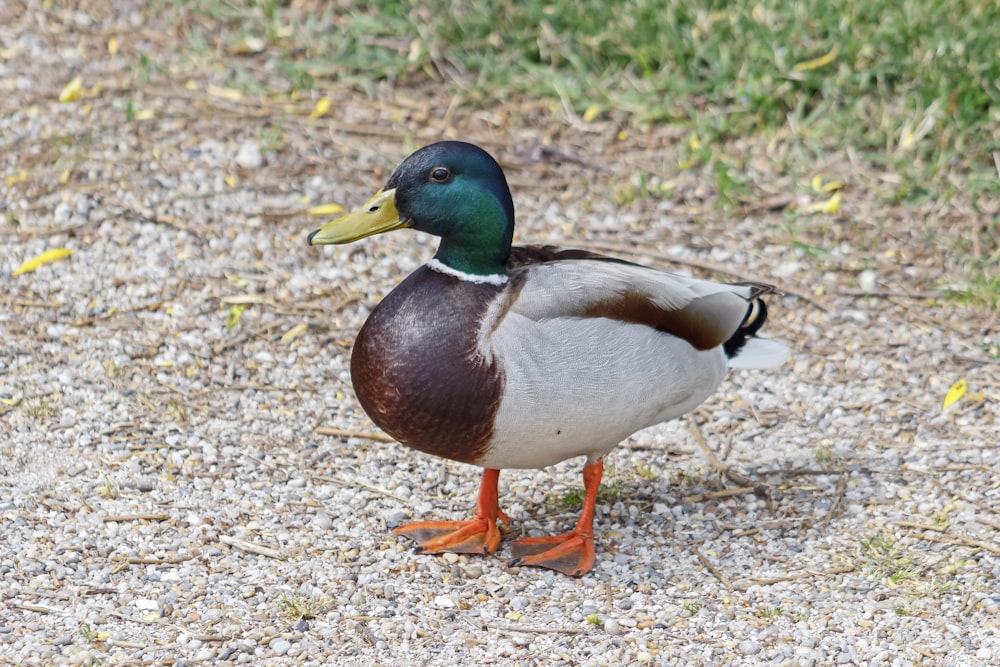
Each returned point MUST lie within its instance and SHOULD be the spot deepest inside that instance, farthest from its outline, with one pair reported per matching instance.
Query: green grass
(902, 79)
(303, 607)
(885, 559)
(606, 494)
(768, 613)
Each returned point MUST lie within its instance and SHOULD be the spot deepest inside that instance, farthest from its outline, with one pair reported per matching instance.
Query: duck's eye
(440, 175)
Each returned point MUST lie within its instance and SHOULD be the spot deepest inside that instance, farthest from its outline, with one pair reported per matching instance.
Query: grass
(606, 494)
(906, 79)
(885, 559)
(768, 613)
(910, 86)
(302, 607)
(692, 607)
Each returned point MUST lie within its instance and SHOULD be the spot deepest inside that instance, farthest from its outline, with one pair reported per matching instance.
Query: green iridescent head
(451, 189)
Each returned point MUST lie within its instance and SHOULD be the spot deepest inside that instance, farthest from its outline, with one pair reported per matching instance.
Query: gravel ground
(176, 491)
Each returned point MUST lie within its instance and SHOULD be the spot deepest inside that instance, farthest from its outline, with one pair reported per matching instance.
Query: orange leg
(571, 553)
(476, 536)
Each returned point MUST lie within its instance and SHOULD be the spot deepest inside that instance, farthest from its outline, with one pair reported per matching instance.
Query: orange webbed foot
(475, 536)
(570, 553)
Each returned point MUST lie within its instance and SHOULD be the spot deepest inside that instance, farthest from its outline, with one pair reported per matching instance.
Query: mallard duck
(521, 357)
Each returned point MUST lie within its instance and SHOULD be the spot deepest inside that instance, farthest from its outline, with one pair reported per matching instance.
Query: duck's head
(450, 189)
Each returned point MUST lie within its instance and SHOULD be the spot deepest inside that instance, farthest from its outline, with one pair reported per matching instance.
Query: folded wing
(575, 283)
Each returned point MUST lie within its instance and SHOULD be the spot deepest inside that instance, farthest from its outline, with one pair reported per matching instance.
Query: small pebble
(868, 281)
(249, 155)
(444, 602)
(280, 645)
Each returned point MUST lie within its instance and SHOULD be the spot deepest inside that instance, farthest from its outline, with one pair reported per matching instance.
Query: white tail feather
(760, 353)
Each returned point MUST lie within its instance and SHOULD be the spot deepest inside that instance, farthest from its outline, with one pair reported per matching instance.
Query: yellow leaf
(816, 63)
(623, 135)
(230, 94)
(294, 332)
(19, 177)
(113, 46)
(72, 91)
(64, 177)
(230, 180)
(831, 205)
(234, 315)
(592, 112)
(145, 114)
(694, 143)
(907, 138)
(416, 47)
(43, 259)
(819, 186)
(956, 392)
(325, 209)
(322, 106)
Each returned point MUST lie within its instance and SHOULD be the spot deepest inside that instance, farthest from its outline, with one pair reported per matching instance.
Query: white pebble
(249, 155)
(280, 645)
(444, 602)
(868, 280)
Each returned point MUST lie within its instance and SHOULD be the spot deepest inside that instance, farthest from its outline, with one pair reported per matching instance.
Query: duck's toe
(476, 536)
(570, 553)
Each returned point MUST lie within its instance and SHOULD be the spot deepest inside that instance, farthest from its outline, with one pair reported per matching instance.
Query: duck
(519, 357)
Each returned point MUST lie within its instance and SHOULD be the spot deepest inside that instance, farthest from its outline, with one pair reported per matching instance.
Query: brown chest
(417, 372)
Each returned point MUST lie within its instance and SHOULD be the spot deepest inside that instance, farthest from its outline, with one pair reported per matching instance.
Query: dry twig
(252, 548)
(711, 568)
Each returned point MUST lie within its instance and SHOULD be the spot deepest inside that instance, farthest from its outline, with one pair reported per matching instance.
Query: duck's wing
(549, 283)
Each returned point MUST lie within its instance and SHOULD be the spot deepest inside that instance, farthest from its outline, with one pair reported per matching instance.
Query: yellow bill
(376, 216)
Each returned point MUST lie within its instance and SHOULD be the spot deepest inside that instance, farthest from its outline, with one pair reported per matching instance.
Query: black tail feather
(754, 320)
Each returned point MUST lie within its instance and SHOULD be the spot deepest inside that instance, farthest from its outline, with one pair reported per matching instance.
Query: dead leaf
(43, 259)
